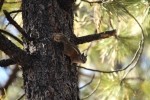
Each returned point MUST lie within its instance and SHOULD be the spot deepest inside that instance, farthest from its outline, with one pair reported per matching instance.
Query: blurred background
(114, 53)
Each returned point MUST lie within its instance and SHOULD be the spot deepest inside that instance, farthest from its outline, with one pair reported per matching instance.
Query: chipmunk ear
(83, 55)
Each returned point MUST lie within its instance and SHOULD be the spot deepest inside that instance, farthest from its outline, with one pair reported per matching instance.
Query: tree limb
(12, 36)
(93, 37)
(14, 52)
(10, 19)
(6, 62)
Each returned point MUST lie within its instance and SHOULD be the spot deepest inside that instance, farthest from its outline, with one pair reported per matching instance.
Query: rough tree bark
(51, 76)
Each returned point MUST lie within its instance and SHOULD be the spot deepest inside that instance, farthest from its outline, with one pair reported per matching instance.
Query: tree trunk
(50, 76)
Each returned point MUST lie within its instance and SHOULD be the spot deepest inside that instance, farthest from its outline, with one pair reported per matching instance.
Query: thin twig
(134, 78)
(15, 11)
(87, 83)
(100, 71)
(92, 91)
(9, 22)
(10, 19)
(12, 36)
(136, 58)
(21, 97)
(87, 49)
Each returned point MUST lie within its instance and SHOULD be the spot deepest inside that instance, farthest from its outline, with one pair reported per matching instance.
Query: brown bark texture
(50, 75)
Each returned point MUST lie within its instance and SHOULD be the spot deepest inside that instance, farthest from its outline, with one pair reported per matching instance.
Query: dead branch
(6, 62)
(10, 19)
(93, 37)
(12, 36)
(9, 22)
(14, 52)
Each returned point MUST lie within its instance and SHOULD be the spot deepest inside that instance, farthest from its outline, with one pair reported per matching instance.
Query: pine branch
(6, 62)
(14, 52)
(12, 36)
(88, 82)
(10, 19)
(93, 37)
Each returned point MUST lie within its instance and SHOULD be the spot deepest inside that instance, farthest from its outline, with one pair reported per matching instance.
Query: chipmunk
(70, 49)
